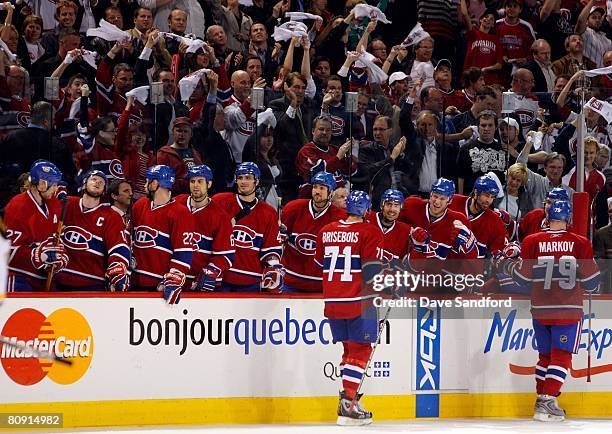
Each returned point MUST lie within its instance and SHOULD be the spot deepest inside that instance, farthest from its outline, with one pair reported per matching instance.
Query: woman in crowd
(516, 201)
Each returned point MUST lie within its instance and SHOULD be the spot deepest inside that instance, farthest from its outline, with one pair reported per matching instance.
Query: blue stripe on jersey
(183, 256)
(555, 372)
(122, 251)
(520, 279)
(205, 244)
(482, 250)
(355, 263)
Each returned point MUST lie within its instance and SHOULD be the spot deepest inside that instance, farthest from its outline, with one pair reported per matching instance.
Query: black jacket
(289, 139)
(374, 171)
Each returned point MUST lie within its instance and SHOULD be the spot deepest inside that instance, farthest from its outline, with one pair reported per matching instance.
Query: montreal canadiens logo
(76, 238)
(337, 125)
(525, 116)
(145, 237)
(306, 244)
(65, 333)
(23, 119)
(115, 168)
(243, 237)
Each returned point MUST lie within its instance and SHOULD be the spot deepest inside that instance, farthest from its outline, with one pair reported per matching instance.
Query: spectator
(574, 60)
(266, 52)
(422, 68)
(24, 146)
(596, 42)
(143, 25)
(526, 106)
(66, 13)
(482, 155)
(321, 155)
(216, 36)
(69, 57)
(473, 82)
(515, 35)
(294, 114)
(485, 99)
(180, 155)
(339, 197)
(484, 50)
(541, 67)
(377, 159)
(454, 100)
(516, 200)
(266, 161)
(31, 39)
(594, 179)
(237, 25)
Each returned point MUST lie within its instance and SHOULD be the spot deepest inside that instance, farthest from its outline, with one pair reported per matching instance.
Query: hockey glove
(420, 239)
(172, 285)
(282, 234)
(117, 277)
(207, 279)
(512, 250)
(272, 279)
(463, 237)
(49, 253)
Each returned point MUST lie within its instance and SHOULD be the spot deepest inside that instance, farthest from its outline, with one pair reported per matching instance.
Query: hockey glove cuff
(172, 285)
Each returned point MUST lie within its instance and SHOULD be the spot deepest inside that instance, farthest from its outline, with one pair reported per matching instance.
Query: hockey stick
(58, 234)
(36, 353)
(381, 329)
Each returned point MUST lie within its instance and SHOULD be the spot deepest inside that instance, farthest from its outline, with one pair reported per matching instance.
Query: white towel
(362, 11)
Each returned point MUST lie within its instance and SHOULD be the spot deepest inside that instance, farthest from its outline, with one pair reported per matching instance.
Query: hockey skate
(352, 417)
(547, 409)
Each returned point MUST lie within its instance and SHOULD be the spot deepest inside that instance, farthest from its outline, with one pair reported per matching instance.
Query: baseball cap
(444, 62)
(182, 120)
(510, 121)
(597, 8)
(397, 76)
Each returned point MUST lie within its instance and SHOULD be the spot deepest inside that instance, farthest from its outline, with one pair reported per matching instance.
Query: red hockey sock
(354, 367)
(560, 363)
(540, 372)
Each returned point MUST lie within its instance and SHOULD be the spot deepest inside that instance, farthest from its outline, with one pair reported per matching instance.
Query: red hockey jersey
(415, 212)
(94, 239)
(255, 239)
(212, 237)
(343, 250)
(27, 222)
(162, 240)
(396, 239)
(557, 265)
(488, 228)
(312, 159)
(301, 271)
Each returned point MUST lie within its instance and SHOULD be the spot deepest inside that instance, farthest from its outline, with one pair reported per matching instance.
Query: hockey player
(396, 233)
(488, 228)
(255, 236)
(163, 229)
(94, 237)
(303, 219)
(536, 220)
(213, 249)
(32, 219)
(437, 233)
(348, 252)
(557, 265)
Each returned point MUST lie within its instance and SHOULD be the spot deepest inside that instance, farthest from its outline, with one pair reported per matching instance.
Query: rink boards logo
(506, 336)
(65, 333)
(428, 349)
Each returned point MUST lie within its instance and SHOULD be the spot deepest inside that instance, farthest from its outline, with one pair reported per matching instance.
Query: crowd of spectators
(432, 102)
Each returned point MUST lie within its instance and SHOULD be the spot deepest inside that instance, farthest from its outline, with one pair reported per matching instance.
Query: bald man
(526, 105)
(239, 116)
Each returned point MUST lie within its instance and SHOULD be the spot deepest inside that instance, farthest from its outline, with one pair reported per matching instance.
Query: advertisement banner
(124, 348)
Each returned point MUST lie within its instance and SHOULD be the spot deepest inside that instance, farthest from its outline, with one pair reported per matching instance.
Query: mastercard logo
(65, 333)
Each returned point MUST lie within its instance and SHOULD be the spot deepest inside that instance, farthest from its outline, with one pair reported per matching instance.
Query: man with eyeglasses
(377, 160)
(537, 185)
(525, 104)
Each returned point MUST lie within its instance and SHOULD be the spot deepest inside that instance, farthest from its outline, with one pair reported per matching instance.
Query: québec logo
(65, 333)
